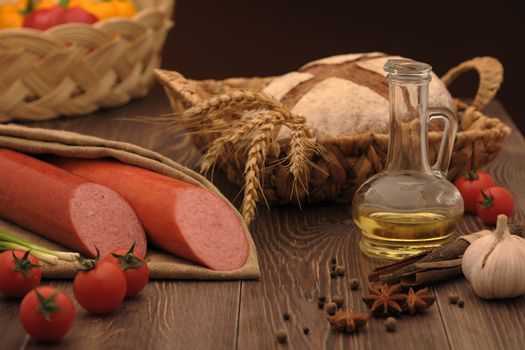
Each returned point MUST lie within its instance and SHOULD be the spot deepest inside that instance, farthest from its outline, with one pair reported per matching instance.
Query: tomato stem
(488, 201)
(47, 305)
(129, 260)
(24, 264)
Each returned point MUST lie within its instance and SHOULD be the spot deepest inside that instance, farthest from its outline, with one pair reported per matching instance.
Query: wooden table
(294, 248)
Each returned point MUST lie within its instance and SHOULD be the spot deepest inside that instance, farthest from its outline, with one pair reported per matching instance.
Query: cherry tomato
(46, 313)
(470, 186)
(134, 267)
(101, 288)
(492, 202)
(19, 273)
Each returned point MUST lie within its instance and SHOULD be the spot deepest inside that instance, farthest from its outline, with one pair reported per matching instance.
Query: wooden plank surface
(294, 248)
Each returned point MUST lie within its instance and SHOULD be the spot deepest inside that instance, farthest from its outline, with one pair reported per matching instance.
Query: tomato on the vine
(494, 201)
(134, 267)
(46, 313)
(100, 287)
(19, 273)
(470, 186)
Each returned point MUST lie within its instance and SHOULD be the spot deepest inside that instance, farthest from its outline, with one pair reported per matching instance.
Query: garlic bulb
(495, 263)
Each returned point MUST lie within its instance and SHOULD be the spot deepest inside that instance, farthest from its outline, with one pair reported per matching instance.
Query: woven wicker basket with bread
(318, 133)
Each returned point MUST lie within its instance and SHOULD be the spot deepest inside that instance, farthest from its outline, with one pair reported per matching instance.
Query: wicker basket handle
(490, 72)
(177, 88)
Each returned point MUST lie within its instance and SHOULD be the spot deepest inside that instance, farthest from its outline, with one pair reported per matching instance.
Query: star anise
(385, 300)
(418, 301)
(348, 321)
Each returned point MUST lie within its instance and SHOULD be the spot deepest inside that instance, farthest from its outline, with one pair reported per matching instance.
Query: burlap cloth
(162, 265)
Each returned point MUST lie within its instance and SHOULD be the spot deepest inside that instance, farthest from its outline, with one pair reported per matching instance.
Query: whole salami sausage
(184, 219)
(66, 208)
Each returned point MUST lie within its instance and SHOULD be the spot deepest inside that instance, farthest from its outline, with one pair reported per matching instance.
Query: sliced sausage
(184, 219)
(66, 208)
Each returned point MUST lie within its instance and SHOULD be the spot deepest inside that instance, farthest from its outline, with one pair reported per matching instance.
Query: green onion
(8, 241)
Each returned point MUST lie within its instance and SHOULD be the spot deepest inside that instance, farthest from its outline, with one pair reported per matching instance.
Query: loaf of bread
(344, 94)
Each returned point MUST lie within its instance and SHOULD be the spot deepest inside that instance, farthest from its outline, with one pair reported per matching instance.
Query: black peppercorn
(286, 316)
(461, 303)
(322, 298)
(320, 304)
(282, 335)
(354, 284)
(333, 274)
(306, 330)
(333, 260)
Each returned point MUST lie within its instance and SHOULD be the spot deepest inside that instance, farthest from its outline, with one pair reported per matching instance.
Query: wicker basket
(347, 160)
(75, 69)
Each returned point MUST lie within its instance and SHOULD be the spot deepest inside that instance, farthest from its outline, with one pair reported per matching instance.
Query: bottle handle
(440, 167)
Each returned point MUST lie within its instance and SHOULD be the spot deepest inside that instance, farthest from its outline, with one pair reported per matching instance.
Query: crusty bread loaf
(344, 94)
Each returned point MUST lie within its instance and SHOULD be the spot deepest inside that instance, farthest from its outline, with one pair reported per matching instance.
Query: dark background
(218, 39)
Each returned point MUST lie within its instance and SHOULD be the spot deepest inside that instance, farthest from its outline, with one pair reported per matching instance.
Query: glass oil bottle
(410, 206)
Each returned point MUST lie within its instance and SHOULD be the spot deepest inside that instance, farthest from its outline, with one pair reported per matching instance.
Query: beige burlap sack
(162, 265)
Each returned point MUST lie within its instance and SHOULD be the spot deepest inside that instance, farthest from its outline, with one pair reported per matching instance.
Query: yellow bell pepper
(107, 8)
(11, 14)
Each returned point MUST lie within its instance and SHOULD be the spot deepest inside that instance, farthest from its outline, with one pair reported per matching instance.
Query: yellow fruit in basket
(106, 9)
(45, 4)
(11, 14)
(125, 8)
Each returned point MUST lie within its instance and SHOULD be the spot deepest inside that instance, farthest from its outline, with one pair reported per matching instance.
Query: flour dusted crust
(344, 105)
(342, 59)
(345, 94)
(438, 93)
(282, 85)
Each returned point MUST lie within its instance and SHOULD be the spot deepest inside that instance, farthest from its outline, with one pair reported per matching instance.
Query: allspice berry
(390, 324)
(453, 297)
(340, 270)
(354, 284)
(338, 300)
(330, 308)
(282, 335)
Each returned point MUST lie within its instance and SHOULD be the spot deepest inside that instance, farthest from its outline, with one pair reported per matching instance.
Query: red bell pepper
(49, 17)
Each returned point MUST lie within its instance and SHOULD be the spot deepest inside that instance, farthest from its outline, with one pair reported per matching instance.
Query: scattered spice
(348, 321)
(333, 274)
(333, 267)
(306, 330)
(385, 300)
(286, 316)
(390, 324)
(320, 304)
(354, 284)
(453, 297)
(333, 260)
(322, 298)
(418, 301)
(340, 270)
(282, 335)
(461, 303)
(330, 308)
(338, 300)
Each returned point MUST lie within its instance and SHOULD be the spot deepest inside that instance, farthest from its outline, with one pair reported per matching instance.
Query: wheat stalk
(245, 119)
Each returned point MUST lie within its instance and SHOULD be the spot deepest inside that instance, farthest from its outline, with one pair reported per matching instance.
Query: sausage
(66, 208)
(184, 219)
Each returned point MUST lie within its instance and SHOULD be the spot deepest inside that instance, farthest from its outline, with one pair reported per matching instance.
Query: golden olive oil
(394, 235)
